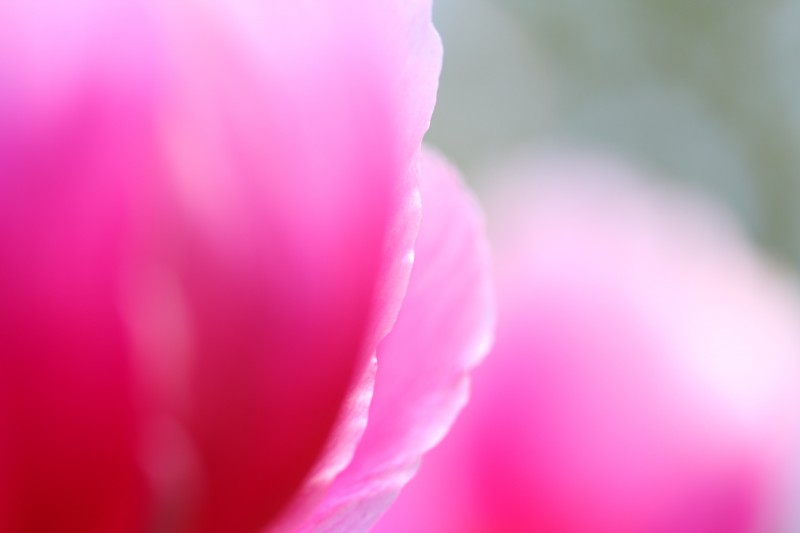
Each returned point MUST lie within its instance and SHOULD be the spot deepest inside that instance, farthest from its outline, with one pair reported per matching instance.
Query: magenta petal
(195, 200)
(70, 145)
(444, 329)
(280, 242)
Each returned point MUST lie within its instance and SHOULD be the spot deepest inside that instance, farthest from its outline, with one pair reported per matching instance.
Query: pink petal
(281, 272)
(415, 57)
(198, 255)
(645, 375)
(68, 412)
(443, 330)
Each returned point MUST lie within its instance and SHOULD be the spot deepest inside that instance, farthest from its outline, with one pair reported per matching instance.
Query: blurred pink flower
(645, 377)
(208, 214)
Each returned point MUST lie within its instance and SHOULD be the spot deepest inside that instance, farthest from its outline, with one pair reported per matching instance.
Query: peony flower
(208, 216)
(645, 377)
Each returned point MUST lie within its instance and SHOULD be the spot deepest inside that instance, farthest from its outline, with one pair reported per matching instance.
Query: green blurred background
(702, 91)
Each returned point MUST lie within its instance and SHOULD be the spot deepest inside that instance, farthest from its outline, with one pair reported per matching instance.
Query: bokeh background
(703, 92)
(706, 92)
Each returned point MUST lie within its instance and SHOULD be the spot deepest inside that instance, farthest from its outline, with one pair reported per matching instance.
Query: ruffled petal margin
(444, 329)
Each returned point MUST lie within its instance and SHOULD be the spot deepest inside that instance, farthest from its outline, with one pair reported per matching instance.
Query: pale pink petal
(414, 55)
(443, 330)
(413, 51)
(645, 376)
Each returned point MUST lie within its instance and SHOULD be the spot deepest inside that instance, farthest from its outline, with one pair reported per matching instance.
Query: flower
(208, 212)
(645, 374)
